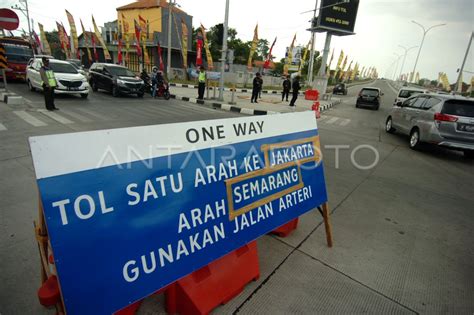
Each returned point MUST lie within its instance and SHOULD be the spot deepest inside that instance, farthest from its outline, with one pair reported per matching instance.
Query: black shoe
(55, 108)
(256, 102)
(49, 109)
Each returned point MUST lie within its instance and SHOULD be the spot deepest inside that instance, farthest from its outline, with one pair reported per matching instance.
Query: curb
(190, 86)
(10, 98)
(242, 110)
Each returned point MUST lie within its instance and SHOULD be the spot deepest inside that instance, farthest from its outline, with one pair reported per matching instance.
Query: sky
(381, 26)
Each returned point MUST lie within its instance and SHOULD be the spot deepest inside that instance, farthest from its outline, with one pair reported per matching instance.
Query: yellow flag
(342, 68)
(86, 42)
(348, 71)
(354, 72)
(290, 56)
(143, 37)
(253, 47)
(126, 36)
(305, 54)
(184, 46)
(101, 40)
(328, 67)
(341, 56)
(44, 40)
(75, 41)
(210, 64)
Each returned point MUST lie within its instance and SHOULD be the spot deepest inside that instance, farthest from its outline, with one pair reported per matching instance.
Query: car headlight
(121, 82)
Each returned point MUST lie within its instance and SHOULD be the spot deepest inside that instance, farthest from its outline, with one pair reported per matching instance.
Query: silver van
(444, 120)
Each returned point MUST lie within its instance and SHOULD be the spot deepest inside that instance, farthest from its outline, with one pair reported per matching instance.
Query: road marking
(30, 119)
(332, 120)
(77, 116)
(89, 112)
(344, 122)
(56, 117)
(2, 127)
(322, 117)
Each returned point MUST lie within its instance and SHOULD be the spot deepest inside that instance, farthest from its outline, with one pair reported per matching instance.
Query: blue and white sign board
(132, 210)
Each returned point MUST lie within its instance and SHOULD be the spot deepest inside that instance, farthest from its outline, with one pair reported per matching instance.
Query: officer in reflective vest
(202, 82)
(49, 83)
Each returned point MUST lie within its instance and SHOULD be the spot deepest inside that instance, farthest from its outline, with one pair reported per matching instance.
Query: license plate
(133, 90)
(465, 127)
(73, 89)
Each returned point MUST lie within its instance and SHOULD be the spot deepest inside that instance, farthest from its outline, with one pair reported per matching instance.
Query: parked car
(369, 97)
(443, 120)
(115, 79)
(76, 63)
(340, 88)
(405, 92)
(69, 81)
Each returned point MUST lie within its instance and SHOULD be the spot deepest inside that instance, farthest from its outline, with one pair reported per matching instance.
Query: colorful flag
(119, 51)
(75, 41)
(96, 54)
(348, 71)
(44, 41)
(305, 54)
(253, 47)
(37, 41)
(144, 36)
(184, 43)
(289, 56)
(341, 57)
(210, 64)
(101, 41)
(67, 41)
(126, 30)
(160, 58)
(269, 57)
(137, 39)
(199, 50)
(86, 41)
(342, 68)
(62, 40)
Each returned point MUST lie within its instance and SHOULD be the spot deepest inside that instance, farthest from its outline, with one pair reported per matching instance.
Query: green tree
(55, 44)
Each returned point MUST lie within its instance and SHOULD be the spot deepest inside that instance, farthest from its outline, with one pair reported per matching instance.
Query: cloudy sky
(382, 25)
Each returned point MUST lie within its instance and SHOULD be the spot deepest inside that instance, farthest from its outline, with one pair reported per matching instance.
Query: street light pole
(463, 63)
(27, 14)
(396, 67)
(311, 55)
(171, 3)
(405, 57)
(423, 40)
(224, 51)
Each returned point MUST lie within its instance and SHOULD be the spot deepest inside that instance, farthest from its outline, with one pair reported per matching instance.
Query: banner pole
(327, 224)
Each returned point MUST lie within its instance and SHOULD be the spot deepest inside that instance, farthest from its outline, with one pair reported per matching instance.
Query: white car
(69, 80)
(405, 92)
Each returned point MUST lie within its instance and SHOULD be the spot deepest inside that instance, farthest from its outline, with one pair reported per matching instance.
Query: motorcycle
(162, 90)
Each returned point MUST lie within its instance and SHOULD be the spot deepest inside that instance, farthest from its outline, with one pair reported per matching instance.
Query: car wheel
(415, 139)
(84, 95)
(377, 107)
(93, 86)
(115, 91)
(31, 87)
(166, 95)
(357, 105)
(469, 154)
(388, 125)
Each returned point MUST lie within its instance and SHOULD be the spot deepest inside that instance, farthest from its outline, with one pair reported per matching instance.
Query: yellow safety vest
(51, 78)
(202, 76)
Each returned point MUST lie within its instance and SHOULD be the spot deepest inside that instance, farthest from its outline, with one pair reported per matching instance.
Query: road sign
(337, 17)
(132, 210)
(9, 20)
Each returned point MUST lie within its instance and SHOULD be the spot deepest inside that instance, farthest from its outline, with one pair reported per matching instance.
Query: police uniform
(202, 84)
(49, 83)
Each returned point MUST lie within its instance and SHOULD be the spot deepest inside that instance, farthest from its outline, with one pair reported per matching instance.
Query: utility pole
(311, 55)
(463, 63)
(224, 51)
(422, 41)
(26, 12)
(171, 3)
(395, 77)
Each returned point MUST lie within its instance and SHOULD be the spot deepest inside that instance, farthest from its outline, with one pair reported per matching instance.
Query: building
(156, 14)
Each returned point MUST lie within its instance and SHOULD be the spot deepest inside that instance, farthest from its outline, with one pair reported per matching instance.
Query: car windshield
(408, 93)
(459, 108)
(340, 86)
(119, 71)
(17, 53)
(62, 67)
(367, 92)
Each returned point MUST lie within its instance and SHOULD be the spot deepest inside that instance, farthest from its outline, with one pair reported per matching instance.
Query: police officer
(202, 82)
(49, 83)
(286, 88)
(296, 88)
(257, 86)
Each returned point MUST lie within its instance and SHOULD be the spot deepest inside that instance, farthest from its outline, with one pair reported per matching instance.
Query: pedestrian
(154, 80)
(286, 88)
(49, 83)
(257, 86)
(261, 87)
(296, 88)
(202, 77)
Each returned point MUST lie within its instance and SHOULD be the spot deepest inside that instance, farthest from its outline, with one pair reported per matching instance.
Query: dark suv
(340, 88)
(369, 97)
(115, 79)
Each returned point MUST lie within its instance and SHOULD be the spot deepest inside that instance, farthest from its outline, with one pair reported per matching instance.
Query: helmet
(155, 68)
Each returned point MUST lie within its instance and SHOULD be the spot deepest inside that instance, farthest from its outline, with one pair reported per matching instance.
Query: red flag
(199, 51)
(96, 55)
(119, 51)
(37, 41)
(137, 39)
(160, 58)
(269, 57)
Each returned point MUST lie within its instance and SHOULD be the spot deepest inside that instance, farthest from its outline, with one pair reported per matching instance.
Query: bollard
(232, 99)
(214, 91)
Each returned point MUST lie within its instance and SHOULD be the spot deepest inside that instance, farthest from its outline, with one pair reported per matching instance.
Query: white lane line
(332, 120)
(344, 122)
(2, 127)
(30, 119)
(322, 117)
(77, 116)
(95, 114)
(57, 117)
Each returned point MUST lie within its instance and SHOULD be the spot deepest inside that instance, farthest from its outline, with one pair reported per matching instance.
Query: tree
(55, 44)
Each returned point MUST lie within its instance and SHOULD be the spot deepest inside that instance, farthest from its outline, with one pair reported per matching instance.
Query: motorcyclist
(154, 80)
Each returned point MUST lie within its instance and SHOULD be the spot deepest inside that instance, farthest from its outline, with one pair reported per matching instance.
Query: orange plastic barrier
(286, 229)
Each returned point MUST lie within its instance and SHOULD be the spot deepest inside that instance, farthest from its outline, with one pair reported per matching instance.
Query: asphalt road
(402, 219)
